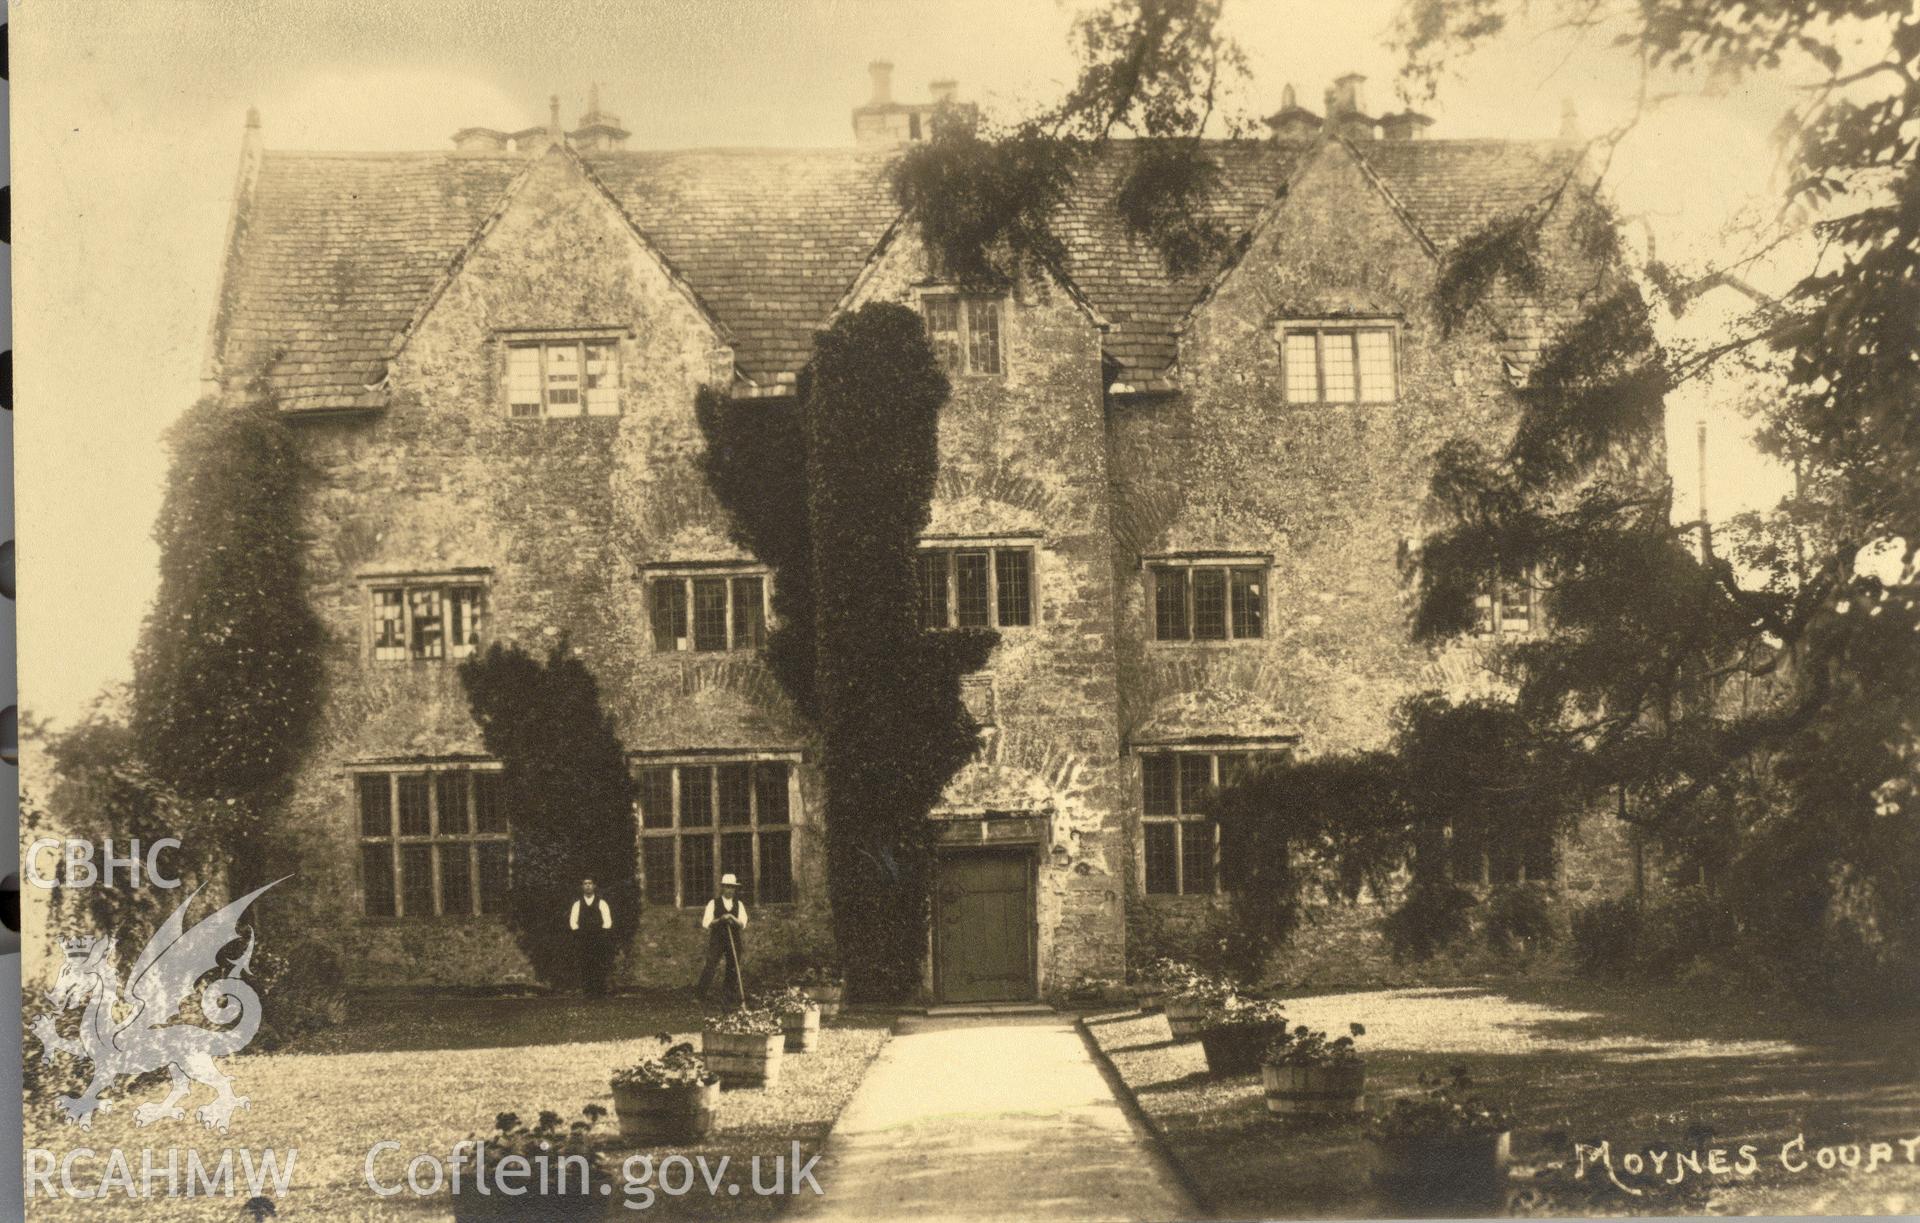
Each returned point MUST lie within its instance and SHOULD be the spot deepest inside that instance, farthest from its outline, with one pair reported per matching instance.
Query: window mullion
(433, 837)
(964, 329)
(993, 587)
(1213, 825)
(542, 350)
(393, 833)
(673, 834)
(1320, 365)
(948, 566)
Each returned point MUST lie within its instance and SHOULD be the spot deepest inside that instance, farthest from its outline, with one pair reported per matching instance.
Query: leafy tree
(1747, 695)
(569, 795)
(985, 195)
(228, 672)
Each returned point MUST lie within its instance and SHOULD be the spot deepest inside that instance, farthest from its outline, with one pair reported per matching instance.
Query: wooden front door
(984, 926)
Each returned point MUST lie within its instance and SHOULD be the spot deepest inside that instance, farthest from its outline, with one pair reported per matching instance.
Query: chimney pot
(882, 73)
(253, 118)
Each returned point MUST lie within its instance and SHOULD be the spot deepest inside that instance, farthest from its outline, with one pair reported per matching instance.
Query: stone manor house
(1184, 500)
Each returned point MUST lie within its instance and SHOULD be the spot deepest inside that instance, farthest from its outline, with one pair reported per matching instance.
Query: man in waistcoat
(725, 921)
(592, 924)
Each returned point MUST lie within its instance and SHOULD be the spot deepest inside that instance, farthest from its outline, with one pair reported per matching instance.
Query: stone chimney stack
(1346, 108)
(1570, 132)
(881, 121)
(599, 130)
(479, 141)
(1406, 125)
(882, 73)
(1293, 121)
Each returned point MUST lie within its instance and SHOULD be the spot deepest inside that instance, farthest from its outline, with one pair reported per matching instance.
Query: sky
(127, 122)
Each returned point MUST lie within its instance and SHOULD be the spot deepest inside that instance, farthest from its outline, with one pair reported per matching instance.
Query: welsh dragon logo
(138, 1033)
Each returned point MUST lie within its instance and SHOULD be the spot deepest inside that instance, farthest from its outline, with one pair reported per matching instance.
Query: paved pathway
(998, 1118)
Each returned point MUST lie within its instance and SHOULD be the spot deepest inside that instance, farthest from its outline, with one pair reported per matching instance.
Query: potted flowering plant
(799, 1017)
(824, 985)
(743, 1047)
(1189, 998)
(1163, 976)
(577, 1190)
(1235, 1032)
(1304, 1073)
(1444, 1143)
(669, 1097)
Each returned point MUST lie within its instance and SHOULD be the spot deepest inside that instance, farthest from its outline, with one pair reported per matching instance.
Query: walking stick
(733, 954)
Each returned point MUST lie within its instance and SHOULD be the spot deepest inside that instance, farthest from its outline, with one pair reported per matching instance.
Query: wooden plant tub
(801, 1029)
(1429, 1172)
(1184, 1016)
(676, 1113)
(743, 1061)
(828, 998)
(1237, 1050)
(1309, 1091)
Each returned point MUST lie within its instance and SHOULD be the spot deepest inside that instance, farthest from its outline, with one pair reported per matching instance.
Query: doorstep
(966, 1009)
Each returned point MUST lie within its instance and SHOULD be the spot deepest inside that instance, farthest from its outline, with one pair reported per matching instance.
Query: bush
(301, 992)
(1619, 937)
(1434, 916)
(1520, 917)
(1606, 934)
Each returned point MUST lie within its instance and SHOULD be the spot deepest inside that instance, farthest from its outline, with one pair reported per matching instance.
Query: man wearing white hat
(725, 921)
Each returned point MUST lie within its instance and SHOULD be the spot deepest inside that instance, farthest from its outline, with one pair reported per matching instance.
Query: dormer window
(965, 332)
(550, 378)
(1344, 363)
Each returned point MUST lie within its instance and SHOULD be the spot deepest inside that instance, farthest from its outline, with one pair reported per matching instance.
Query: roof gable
(338, 255)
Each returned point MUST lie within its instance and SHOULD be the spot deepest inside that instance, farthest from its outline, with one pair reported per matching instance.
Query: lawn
(1641, 1069)
(428, 1070)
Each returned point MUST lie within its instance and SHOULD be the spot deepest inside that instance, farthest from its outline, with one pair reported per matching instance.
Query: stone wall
(561, 515)
(1335, 493)
(1023, 455)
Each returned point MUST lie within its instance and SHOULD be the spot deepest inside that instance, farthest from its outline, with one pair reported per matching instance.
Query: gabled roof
(337, 253)
(1125, 277)
(770, 239)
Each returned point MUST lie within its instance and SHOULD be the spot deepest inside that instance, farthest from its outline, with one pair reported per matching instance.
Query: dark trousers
(592, 948)
(721, 955)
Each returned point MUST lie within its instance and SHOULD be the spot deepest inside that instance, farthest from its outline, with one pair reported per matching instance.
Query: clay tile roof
(338, 252)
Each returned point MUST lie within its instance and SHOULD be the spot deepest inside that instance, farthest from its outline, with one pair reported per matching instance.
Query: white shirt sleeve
(740, 913)
(706, 917)
(573, 916)
(606, 916)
